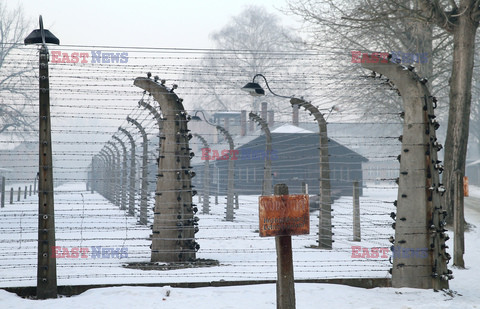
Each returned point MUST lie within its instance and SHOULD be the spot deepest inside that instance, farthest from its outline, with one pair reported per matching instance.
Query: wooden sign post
(283, 215)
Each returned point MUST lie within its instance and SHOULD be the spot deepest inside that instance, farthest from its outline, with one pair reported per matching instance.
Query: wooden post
(30, 191)
(11, 195)
(19, 194)
(458, 221)
(25, 192)
(46, 262)
(285, 280)
(356, 212)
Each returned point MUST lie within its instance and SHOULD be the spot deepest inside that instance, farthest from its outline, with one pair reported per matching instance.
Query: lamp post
(46, 263)
(229, 215)
(325, 218)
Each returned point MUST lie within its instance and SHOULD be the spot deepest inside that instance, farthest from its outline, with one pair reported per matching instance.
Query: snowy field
(84, 222)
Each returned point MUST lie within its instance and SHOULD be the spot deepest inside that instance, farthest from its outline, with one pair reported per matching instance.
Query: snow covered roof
(290, 128)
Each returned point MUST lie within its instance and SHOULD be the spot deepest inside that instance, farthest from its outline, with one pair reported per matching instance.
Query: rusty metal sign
(284, 215)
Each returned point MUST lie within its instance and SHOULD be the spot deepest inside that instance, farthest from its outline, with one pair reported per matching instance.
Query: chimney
(243, 122)
(295, 115)
(226, 122)
(271, 118)
(264, 110)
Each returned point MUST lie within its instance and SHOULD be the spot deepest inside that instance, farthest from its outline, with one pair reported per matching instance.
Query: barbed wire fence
(99, 242)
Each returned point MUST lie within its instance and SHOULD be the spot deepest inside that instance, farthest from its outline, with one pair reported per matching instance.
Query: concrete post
(104, 187)
(229, 214)
(267, 170)
(117, 181)
(93, 179)
(356, 212)
(124, 176)
(144, 188)
(206, 178)
(110, 176)
(2, 201)
(420, 218)
(325, 201)
(132, 173)
(174, 226)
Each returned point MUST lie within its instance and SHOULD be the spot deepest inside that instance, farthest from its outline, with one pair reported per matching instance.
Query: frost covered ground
(84, 220)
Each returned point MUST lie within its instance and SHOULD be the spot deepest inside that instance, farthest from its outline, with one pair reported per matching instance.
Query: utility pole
(144, 188)
(420, 257)
(325, 201)
(206, 178)
(174, 225)
(46, 263)
(132, 173)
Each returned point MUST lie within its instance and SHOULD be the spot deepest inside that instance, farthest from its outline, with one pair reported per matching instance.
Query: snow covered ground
(242, 254)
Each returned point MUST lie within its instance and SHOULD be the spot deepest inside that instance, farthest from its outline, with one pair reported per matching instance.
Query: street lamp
(46, 263)
(229, 215)
(254, 89)
(325, 201)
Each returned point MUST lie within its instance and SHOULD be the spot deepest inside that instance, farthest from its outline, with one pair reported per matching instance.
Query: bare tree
(376, 26)
(460, 20)
(15, 72)
(252, 42)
